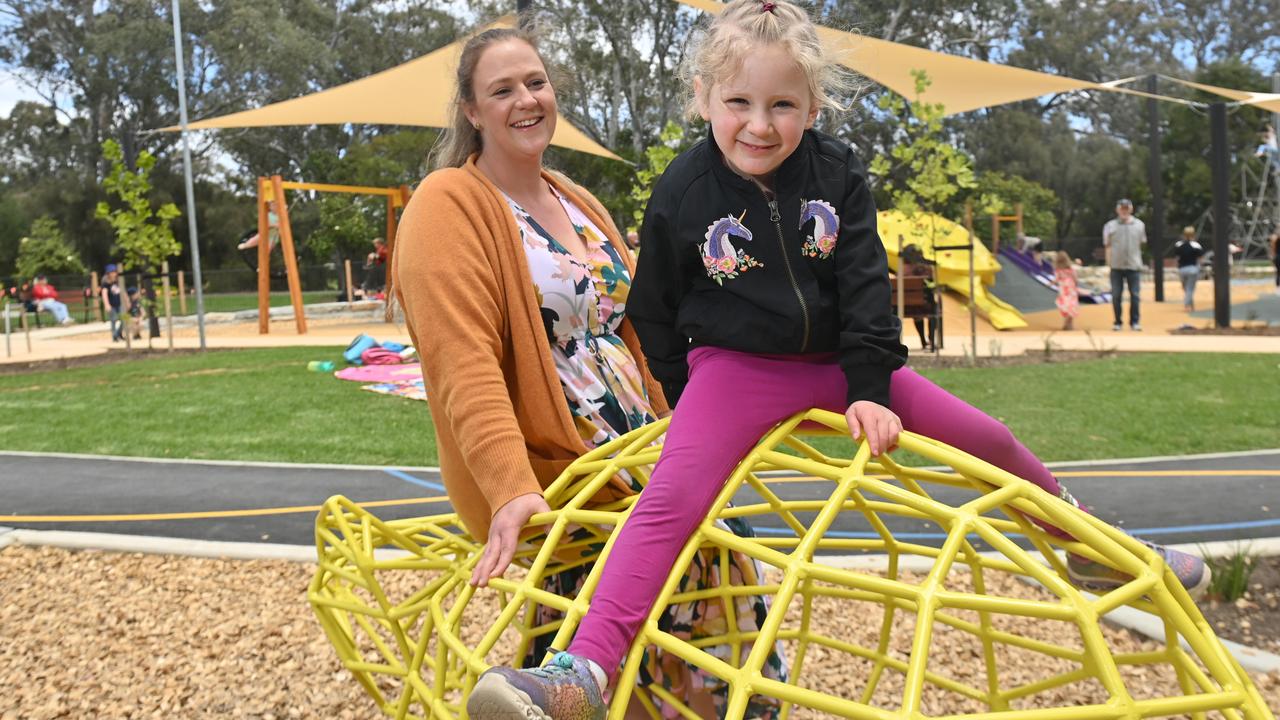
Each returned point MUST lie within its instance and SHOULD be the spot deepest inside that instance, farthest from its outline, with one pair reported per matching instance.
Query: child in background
(762, 291)
(135, 311)
(1068, 302)
(1189, 253)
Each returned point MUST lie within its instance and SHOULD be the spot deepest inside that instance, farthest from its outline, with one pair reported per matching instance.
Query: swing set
(272, 189)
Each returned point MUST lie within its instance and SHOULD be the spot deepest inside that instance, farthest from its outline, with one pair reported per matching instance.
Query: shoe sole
(493, 698)
(1085, 582)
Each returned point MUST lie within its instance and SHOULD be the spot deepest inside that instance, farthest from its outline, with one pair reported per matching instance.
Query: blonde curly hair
(717, 49)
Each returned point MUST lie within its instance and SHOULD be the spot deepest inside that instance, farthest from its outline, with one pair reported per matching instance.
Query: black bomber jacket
(722, 264)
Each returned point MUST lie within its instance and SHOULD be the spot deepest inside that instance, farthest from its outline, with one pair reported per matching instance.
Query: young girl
(762, 291)
(1064, 273)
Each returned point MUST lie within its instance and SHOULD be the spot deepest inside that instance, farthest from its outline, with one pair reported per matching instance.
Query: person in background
(1189, 253)
(273, 229)
(135, 311)
(1273, 248)
(110, 292)
(1123, 237)
(1068, 301)
(375, 264)
(914, 264)
(46, 298)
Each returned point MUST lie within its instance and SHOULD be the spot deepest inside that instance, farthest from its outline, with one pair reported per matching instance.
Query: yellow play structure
(927, 230)
(964, 635)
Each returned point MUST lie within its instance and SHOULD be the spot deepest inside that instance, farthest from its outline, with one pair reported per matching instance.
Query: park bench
(918, 302)
(915, 297)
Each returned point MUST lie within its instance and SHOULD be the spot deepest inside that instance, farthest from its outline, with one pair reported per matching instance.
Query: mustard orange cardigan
(503, 426)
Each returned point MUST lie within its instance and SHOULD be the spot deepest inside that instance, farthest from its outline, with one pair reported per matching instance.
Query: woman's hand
(504, 535)
(877, 422)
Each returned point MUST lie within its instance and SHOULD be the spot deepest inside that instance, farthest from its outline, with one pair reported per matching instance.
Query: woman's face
(515, 105)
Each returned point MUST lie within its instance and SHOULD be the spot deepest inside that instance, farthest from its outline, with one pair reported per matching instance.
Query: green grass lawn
(265, 405)
(234, 302)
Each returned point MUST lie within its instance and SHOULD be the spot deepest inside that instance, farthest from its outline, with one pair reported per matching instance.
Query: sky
(11, 92)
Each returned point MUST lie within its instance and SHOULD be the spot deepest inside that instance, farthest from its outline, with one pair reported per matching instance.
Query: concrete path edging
(1251, 659)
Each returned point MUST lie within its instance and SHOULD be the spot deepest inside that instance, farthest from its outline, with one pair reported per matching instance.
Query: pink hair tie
(768, 7)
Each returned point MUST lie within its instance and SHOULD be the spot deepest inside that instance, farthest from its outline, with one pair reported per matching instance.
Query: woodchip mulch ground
(86, 634)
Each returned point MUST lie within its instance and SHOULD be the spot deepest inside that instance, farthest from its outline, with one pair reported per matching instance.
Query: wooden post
(97, 295)
(392, 226)
(126, 317)
(182, 293)
(8, 346)
(264, 260)
(902, 303)
(973, 239)
(26, 328)
(1017, 211)
(168, 303)
(995, 232)
(347, 266)
(290, 259)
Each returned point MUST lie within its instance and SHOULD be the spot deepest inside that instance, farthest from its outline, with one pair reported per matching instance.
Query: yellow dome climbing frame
(393, 596)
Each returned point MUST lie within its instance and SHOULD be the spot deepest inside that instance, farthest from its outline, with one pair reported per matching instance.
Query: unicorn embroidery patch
(825, 226)
(720, 258)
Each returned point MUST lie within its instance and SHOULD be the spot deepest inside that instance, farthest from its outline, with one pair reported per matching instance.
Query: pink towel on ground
(382, 373)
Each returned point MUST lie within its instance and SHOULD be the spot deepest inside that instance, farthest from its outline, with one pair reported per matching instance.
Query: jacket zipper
(776, 217)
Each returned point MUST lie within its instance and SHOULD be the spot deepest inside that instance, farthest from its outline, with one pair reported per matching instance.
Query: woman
(1189, 253)
(514, 284)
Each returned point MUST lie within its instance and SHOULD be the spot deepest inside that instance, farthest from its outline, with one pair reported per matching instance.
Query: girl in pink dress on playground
(1068, 302)
(762, 291)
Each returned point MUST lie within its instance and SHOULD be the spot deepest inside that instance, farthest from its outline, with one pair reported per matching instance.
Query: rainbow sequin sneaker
(563, 689)
(1092, 575)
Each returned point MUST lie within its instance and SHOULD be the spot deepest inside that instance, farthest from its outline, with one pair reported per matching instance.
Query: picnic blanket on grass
(404, 380)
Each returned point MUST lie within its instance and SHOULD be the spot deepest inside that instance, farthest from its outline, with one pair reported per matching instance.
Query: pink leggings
(731, 400)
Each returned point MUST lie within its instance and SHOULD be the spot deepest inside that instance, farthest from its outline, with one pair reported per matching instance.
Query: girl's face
(515, 104)
(759, 115)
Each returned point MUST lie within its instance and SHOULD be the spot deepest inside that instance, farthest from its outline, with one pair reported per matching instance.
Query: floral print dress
(582, 305)
(1068, 300)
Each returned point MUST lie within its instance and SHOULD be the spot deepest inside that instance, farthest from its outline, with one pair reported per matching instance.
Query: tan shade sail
(1266, 101)
(416, 93)
(959, 84)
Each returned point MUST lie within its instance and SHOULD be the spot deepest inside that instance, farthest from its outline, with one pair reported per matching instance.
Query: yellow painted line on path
(1078, 474)
(206, 514)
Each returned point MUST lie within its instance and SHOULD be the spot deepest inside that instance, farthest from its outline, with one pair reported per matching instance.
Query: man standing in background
(1123, 237)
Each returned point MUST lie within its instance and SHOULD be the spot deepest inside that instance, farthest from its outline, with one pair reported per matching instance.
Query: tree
(347, 226)
(657, 157)
(1002, 192)
(143, 234)
(46, 252)
(923, 171)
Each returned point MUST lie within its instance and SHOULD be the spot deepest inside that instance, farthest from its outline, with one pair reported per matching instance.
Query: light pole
(186, 172)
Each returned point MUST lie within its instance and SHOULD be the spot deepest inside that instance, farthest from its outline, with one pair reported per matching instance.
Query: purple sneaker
(563, 689)
(1190, 570)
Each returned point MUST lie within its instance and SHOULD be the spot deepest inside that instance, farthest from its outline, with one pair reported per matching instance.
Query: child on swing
(762, 291)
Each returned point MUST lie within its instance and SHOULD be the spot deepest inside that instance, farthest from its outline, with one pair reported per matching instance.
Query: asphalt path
(1169, 500)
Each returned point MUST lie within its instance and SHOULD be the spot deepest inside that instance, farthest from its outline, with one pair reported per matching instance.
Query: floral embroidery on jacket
(825, 226)
(720, 258)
